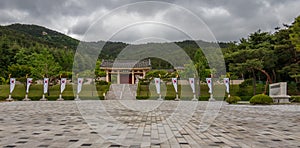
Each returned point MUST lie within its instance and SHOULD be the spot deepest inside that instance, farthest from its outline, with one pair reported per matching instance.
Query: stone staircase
(121, 92)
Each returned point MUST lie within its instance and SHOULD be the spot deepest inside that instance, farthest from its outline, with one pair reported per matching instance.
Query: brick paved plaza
(113, 123)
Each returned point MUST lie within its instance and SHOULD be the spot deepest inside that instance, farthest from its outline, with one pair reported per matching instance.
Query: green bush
(246, 83)
(142, 97)
(203, 98)
(261, 99)
(295, 99)
(245, 98)
(101, 82)
(2, 80)
(233, 99)
(144, 82)
(169, 97)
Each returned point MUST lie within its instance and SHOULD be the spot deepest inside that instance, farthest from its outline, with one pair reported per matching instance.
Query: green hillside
(45, 36)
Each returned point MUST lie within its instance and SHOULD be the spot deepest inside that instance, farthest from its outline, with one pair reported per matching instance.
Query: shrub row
(261, 99)
(201, 98)
(53, 98)
(295, 99)
(233, 99)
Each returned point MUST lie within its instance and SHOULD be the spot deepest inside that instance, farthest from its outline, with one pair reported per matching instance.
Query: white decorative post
(174, 81)
(79, 86)
(28, 83)
(157, 85)
(209, 83)
(46, 82)
(63, 82)
(192, 83)
(12, 82)
(227, 82)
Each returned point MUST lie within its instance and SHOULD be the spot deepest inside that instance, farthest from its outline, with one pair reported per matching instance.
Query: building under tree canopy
(125, 71)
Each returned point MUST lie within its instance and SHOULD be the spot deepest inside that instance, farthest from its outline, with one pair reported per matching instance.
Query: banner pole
(211, 94)
(9, 96)
(43, 97)
(60, 95)
(26, 95)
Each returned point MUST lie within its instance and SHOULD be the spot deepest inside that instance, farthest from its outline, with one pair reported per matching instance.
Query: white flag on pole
(79, 85)
(208, 81)
(46, 83)
(29, 81)
(174, 81)
(157, 85)
(192, 83)
(12, 84)
(226, 82)
(63, 82)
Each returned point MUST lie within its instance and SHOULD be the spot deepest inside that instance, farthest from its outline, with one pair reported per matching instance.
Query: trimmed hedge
(295, 99)
(261, 99)
(233, 99)
(101, 82)
(203, 98)
(142, 97)
(245, 98)
(36, 91)
(53, 98)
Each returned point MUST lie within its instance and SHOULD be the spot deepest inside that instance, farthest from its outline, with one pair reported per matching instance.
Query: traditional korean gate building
(126, 71)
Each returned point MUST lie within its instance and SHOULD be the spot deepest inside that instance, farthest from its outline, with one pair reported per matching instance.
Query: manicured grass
(36, 92)
(185, 91)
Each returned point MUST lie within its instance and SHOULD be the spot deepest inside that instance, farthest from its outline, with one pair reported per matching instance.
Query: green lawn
(219, 91)
(36, 92)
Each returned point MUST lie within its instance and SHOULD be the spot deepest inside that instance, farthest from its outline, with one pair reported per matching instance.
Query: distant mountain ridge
(60, 40)
(43, 34)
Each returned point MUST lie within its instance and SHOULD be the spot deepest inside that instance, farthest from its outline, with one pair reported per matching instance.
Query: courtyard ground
(115, 123)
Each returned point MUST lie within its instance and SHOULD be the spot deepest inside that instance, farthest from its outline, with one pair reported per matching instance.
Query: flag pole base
(177, 99)
(77, 98)
(26, 98)
(43, 98)
(60, 98)
(211, 98)
(194, 99)
(160, 99)
(9, 98)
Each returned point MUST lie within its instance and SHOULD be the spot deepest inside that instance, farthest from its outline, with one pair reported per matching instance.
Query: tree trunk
(254, 83)
(274, 75)
(266, 87)
(269, 80)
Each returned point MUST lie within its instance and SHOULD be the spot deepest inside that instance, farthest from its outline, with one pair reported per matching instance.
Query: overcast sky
(170, 20)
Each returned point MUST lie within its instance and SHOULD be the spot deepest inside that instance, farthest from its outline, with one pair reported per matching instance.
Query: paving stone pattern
(111, 123)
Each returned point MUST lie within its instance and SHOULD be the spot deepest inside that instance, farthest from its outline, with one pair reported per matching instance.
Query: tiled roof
(125, 63)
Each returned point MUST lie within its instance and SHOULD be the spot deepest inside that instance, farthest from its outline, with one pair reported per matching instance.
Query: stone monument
(278, 92)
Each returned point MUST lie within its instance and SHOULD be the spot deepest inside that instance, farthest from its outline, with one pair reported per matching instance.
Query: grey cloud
(228, 20)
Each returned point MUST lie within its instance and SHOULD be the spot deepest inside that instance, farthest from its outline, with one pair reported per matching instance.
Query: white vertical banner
(46, 83)
(29, 82)
(12, 84)
(226, 82)
(79, 85)
(157, 85)
(209, 83)
(63, 82)
(192, 83)
(174, 81)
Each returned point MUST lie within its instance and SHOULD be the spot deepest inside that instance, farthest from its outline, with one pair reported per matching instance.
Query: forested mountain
(19, 41)
(45, 36)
